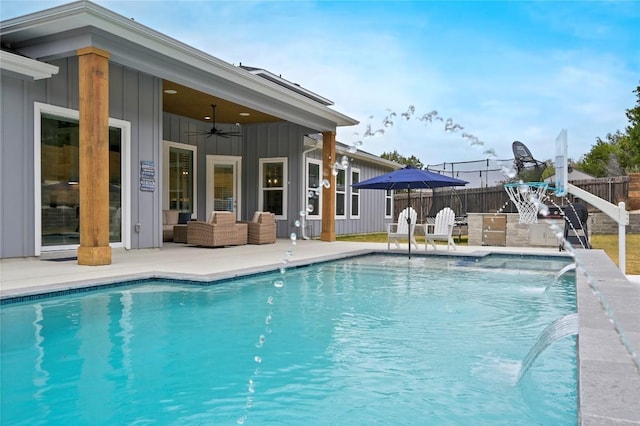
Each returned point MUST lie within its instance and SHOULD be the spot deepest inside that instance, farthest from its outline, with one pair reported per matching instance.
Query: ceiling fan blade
(214, 130)
(227, 134)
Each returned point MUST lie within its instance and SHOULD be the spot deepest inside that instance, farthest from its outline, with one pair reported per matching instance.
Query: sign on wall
(147, 176)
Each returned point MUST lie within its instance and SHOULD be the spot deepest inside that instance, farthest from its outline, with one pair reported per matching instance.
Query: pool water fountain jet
(559, 329)
(560, 273)
(257, 359)
(510, 173)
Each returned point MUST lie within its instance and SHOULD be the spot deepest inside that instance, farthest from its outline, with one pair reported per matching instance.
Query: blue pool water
(368, 340)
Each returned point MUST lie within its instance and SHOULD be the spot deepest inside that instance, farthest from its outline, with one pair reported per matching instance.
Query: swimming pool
(373, 339)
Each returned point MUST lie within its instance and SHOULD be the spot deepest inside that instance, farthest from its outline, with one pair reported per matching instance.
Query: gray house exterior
(162, 154)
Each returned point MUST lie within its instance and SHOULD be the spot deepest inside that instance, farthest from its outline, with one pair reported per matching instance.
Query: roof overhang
(367, 157)
(26, 66)
(40, 35)
(315, 142)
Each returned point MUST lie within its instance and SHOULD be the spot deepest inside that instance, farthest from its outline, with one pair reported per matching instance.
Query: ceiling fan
(214, 130)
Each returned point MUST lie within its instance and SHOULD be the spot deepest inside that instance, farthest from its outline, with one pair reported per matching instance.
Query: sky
(500, 71)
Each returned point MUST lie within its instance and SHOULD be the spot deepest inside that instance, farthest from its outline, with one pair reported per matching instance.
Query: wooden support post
(93, 71)
(328, 194)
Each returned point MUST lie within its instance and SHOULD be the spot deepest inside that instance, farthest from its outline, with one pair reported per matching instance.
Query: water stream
(561, 272)
(559, 329)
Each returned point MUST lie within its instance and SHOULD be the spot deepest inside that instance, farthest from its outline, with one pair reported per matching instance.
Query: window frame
(343, 193)
(284, 188)
(308, 187)
(388, 203)
(167, 145)
(354, 192)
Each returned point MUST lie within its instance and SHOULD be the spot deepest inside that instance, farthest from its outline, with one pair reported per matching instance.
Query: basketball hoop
(527, 197)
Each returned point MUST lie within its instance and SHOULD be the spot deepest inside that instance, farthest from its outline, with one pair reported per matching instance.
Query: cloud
(505, 72)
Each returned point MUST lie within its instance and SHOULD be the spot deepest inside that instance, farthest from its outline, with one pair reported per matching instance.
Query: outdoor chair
(262, 228)
(441, 229)
(221, 230)
(401, 228)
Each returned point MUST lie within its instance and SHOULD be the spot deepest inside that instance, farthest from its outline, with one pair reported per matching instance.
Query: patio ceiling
(194, 104)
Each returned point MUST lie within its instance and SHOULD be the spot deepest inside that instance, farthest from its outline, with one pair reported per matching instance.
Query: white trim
(125, 170)
(26, 66)
(352, 193)
(125, 167)
(317, 216)
(166, 146)
(285, 183)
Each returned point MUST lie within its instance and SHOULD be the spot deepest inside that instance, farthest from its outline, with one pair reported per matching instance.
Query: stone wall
(474, 229)
(516, 234)
(633, 199)
(600, 223)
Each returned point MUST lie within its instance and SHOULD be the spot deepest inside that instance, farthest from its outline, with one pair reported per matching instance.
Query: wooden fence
(495, 199)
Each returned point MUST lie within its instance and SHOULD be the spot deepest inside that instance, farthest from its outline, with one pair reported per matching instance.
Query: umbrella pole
(409, 218)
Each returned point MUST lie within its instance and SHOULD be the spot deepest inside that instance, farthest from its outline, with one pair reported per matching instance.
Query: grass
(608, 243)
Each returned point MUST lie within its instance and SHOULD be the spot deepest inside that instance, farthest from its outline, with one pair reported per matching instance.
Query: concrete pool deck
(609, 379)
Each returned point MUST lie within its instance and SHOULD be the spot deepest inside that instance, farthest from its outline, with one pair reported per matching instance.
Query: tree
(407, 161)
(620, 152)
(602, 160)
(630, 145)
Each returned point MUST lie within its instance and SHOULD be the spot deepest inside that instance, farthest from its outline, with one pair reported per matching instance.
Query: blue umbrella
(409, 178)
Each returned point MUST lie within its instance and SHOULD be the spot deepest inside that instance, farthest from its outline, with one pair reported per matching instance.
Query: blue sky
(504, 71)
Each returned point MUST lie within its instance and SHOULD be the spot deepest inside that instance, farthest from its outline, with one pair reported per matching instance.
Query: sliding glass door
(59, 195)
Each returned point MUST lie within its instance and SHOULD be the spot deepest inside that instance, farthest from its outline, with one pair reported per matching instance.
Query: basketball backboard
(562, 169)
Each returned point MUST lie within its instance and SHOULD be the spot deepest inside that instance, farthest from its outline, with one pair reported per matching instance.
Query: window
(388, 203)
(179, 177)
(314, 190)
(355, 194)
(57, 178)
(273, 186)
(341, 196)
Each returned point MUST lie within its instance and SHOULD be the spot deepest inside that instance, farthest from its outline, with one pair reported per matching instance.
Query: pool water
(368, 340)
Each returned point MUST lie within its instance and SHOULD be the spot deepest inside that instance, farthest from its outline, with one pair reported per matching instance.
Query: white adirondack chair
(401, 228)
(441, 230)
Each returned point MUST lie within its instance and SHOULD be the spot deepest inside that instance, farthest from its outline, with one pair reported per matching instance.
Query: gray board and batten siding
(266, 140)
(372, 202)
(134, 96)
(275, 140)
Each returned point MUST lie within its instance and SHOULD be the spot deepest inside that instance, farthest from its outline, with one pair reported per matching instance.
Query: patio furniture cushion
(184, 217)
(222, 218)
(169, 218)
